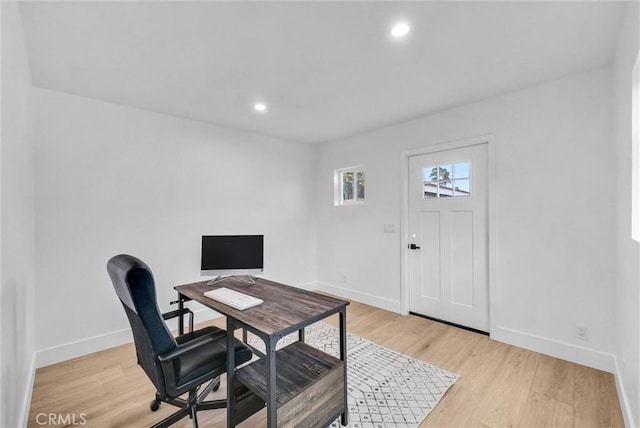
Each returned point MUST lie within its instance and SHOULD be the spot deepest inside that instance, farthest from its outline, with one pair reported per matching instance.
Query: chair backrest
(134, 284)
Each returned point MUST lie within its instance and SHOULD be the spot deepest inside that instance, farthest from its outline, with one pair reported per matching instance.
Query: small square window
(349, 186)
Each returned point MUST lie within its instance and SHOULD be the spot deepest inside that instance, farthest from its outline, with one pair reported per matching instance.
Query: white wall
(112, 179)
(628, 297)
(554, 213)
(17, 225)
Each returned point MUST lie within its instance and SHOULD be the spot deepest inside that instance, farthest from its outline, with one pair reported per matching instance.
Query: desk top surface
(285, 309)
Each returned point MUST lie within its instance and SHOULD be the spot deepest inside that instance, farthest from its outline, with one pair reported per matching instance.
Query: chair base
(188, 410)
(247, 403)
(189, 407)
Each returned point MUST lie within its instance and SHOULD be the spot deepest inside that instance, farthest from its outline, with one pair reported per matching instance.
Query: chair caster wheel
(155, 405)
(216, 387)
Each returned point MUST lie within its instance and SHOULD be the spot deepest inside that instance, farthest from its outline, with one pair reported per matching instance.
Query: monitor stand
(249, 279)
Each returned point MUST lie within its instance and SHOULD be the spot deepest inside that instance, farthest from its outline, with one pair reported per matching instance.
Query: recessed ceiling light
(400, 30)
(260, 107)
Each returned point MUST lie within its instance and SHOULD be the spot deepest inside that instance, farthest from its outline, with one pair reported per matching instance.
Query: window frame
(635, 150)
(338, 194)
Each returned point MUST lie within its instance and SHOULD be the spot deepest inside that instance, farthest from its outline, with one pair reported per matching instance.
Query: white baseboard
(566, 351)
(369, 299)
(26, 399)
(570, 352)
(78, 348)
(555, 348)
(625, 406)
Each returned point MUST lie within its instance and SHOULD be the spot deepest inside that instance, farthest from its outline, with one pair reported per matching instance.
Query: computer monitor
(230, 255)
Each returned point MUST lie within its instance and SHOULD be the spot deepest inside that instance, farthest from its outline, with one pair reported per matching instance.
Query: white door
(448, 264)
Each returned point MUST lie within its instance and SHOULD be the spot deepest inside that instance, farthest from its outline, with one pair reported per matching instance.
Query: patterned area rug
(386, 388)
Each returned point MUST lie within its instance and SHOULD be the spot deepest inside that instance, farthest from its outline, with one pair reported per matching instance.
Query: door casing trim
(489, 140)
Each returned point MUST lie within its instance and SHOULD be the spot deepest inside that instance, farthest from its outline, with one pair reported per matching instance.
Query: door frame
(491, 224)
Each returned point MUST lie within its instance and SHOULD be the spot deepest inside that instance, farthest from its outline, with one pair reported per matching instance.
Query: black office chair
(175, 366)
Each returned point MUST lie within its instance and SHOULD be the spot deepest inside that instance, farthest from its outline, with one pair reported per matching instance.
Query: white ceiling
(327, 70)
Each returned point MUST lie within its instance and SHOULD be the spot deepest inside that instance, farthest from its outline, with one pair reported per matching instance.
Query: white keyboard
(233, 298)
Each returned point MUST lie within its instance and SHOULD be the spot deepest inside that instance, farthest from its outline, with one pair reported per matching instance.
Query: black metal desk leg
(344, 419)
(181, 320)
(272, 410)
(231, 369)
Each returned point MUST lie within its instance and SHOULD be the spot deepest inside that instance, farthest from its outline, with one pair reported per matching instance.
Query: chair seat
(210, 358)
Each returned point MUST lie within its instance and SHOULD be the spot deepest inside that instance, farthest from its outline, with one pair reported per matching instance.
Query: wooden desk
(302, 386)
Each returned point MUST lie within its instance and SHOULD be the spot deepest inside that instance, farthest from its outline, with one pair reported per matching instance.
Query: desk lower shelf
(309, 385)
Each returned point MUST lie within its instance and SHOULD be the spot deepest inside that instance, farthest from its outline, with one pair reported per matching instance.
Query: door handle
(413, 247)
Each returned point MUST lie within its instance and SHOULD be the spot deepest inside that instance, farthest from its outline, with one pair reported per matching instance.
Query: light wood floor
(499, 385)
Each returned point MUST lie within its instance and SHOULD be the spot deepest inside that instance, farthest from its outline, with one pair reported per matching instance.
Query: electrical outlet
(582, 332)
